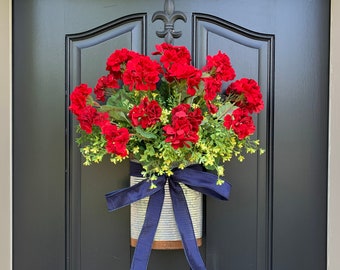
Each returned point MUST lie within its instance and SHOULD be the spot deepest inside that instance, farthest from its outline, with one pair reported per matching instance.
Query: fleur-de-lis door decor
(169, 16)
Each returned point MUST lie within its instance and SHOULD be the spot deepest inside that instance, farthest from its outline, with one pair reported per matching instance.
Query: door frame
(333, 231)
(6, 135)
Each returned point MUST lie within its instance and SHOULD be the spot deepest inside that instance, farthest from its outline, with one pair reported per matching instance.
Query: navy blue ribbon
(195, 178)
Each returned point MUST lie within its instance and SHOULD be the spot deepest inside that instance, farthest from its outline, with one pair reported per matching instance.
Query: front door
(276, 216)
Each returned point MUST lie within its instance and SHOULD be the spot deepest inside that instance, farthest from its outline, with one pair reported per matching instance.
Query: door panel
(248, 213)
(272, 220)
(94, 235)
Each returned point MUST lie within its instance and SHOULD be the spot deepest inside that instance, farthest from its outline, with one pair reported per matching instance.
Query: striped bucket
(167, 234)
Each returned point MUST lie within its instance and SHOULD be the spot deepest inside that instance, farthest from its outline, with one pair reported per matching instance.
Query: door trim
(333, 231)
(6, 135)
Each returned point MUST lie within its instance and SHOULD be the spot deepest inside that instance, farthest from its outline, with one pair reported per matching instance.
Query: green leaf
(118, 98)
(117, 113)
(145, 134)
(224, 109)
(210, 167)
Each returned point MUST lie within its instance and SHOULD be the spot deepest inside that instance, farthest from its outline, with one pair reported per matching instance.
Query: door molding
(135, 26)
(205, 26)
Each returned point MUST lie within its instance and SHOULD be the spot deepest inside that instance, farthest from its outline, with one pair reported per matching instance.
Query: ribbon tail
(125, 196)
(143, 249)
(185, 227)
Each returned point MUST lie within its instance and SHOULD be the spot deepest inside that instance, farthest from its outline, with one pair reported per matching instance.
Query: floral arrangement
(167, 113)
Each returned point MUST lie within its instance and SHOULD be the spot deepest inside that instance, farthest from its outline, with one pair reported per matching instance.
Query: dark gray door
(276, 218)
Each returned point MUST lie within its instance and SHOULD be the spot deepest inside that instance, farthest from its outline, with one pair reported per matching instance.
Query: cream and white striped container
(167, 234)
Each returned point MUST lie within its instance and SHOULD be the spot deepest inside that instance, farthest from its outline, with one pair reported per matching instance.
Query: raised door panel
(92, 232)
(245, 227)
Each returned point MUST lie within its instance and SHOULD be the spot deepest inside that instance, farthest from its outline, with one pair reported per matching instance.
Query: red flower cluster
(105, 82)
(172, 54)
(241, 122)
(116, 62)
(146, 114)
(88, 116)
(248, 95)
(137, 71)
(79, 98)
(220, 69)
(141, 73)
(184, 126)
(212, 87)
(176, 61)
(116, 139)
(187, 91)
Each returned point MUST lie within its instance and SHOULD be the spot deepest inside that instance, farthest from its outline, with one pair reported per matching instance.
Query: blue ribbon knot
(195, 178)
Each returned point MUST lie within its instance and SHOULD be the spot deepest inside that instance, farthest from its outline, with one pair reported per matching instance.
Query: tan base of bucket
(166, 245)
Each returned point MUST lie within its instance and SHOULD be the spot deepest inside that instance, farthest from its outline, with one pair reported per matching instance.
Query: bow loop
(203, 182)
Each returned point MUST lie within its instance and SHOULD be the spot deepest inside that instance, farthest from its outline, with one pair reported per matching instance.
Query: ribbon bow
(195, 178)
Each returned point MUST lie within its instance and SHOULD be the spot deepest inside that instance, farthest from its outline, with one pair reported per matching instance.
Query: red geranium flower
(212, 87)
(105, 82)
(89, 116)
(241, 122)
(186, 72)
(116, 62)
(79, 98)
(249, 94)
(184, 126)
(116, 139)
(101, 119)
(86, 118)
(171, 54)
(219, 67)
(146, 114)
(141, 73)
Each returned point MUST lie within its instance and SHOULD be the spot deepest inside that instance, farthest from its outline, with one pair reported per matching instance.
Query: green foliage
(92, 146)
